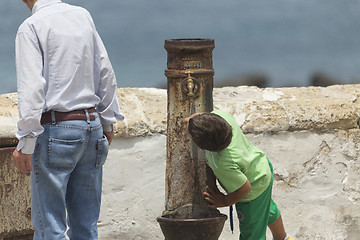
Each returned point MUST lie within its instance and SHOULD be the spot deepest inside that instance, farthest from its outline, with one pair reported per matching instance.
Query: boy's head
(209, 131)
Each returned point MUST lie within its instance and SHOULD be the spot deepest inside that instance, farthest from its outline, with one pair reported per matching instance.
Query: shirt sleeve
(231, 179)
(108, 107)
(30, 84)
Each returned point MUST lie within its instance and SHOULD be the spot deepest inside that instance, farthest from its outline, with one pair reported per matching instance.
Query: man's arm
(30, 89)
(109, 135)
(108, 107)
(218, 199)
(31, 97)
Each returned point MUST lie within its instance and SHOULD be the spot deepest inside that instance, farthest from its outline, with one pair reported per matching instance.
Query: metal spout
(190, 86)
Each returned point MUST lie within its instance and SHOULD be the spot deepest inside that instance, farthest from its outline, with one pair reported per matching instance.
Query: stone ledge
(255, 109)
(291, 109)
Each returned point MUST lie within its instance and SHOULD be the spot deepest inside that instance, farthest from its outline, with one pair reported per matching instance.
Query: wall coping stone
(257, 110)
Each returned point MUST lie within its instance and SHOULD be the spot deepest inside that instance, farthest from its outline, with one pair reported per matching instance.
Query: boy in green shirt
(243, 171)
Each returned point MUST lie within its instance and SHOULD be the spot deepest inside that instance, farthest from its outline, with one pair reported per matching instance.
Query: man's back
(68, 43)
(62, 65)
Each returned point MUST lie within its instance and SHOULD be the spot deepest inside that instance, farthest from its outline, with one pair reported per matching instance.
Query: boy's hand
(218, 199)
(215, 198)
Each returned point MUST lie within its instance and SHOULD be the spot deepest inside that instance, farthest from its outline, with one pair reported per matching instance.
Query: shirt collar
(43, 3)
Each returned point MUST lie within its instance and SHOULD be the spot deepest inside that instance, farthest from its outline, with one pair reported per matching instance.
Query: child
(242, 170)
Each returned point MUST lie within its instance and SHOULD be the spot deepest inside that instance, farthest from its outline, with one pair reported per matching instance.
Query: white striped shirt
(62, 65)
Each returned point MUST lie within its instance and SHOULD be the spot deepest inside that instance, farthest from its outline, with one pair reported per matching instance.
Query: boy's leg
(277, 229)
(257, 214)
(254, 216)
(252, 225)
(275, 222)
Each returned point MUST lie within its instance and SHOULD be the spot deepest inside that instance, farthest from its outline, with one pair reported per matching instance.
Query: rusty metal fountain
(190, 84)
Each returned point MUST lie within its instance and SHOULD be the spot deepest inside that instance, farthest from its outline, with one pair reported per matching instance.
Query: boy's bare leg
(277, 229)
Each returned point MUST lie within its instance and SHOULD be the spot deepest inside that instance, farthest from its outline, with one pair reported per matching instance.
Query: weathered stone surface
(291, 109)
(144, 109)
(256, 109)
(316, 185)
(15, 208)
(316, 182)
(8, 115)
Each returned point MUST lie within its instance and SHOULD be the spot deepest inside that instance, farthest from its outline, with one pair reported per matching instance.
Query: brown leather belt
(67, 116)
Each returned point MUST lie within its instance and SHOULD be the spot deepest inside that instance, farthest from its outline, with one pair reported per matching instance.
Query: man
(67, 106)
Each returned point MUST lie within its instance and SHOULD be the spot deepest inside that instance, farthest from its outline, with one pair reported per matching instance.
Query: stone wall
(15, 210)
(310, 134)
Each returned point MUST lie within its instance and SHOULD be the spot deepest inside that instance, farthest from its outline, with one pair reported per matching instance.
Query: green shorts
(256, 215)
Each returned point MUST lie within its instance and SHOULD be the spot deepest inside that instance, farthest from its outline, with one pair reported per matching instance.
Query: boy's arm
(218, 199)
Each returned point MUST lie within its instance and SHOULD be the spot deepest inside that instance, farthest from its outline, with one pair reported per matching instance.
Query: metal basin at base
(192, 229)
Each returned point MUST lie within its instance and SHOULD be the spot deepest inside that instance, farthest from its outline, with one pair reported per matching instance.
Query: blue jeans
(67, 180)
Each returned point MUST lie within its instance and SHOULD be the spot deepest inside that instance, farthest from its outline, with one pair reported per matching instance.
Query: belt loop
(53, 119)
(87, 116)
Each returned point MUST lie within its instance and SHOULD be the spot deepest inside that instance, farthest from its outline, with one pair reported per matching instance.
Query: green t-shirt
(240, 161)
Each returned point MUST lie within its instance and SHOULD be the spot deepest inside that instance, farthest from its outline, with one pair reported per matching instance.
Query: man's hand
(22, 161)
(215, 198)
(109, 136)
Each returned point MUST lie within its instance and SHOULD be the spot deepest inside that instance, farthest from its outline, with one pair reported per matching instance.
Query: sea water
(286, 40)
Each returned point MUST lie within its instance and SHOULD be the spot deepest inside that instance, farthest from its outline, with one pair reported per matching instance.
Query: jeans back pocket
(102, 151)
(63, 154)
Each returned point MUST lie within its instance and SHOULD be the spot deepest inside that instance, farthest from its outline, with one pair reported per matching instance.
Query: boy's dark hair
(210, 131)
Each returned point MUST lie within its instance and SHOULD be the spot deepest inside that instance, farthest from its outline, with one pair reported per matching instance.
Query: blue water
(287, 40)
